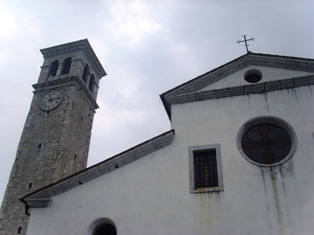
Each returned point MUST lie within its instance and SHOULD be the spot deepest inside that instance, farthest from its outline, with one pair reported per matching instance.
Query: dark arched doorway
(105, 229)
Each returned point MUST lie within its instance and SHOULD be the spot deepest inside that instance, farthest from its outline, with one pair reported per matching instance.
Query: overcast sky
(146, 47)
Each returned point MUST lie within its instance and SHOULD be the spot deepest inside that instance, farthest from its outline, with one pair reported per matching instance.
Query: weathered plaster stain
(273, 177)
(209, 211)
(276, 194)
(204, 210)
(248, 99)
(294, 92)
(267, 105)
(267, 204)
(286, 204)
(310, 90)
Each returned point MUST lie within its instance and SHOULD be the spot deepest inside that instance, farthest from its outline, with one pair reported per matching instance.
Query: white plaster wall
(256, 200)
(269, 74)
(151, 195)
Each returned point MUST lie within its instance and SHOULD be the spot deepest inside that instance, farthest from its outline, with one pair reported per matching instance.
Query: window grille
(205, 169)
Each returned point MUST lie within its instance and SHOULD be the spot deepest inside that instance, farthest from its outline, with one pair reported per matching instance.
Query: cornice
(81, 45)
(242, 90)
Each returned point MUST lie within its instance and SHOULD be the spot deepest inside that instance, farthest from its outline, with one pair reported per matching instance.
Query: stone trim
(81, 45)
(111, 164)
(242, 90)
(39, 203)
(219, 168)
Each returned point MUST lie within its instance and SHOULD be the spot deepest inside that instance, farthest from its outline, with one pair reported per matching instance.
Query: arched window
(66, 66)
(91, 83)
(102, 226)
(53, 68)
(85, 73)
(267, 141)
(105, 229)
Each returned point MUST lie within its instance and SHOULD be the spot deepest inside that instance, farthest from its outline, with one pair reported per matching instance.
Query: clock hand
(50, 98)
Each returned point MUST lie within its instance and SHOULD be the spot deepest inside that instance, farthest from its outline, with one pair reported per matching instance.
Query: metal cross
(245, 41)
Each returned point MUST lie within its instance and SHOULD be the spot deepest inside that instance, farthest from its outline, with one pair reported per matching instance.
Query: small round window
(267, 141)
(253, 76)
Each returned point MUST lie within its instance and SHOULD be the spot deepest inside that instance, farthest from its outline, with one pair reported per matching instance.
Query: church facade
(238, 160)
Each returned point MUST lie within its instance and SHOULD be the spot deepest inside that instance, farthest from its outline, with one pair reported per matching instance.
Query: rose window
(266, 143)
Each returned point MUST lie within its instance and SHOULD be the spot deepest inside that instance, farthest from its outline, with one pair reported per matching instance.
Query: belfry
(56, 136)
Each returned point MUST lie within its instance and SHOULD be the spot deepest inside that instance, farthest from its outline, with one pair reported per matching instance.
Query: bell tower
(56, 136)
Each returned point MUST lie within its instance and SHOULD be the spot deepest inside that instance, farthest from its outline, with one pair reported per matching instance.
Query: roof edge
(97, 170)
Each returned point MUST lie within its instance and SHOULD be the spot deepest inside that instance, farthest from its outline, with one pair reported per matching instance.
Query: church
(239, 157)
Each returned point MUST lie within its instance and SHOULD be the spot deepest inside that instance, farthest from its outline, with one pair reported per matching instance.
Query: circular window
(253, 76)
(267, 141)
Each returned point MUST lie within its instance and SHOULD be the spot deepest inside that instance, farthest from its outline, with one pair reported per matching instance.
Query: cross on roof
(245, 41)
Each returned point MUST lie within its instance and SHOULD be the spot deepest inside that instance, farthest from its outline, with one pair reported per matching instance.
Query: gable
(268, 74)
(280, 72)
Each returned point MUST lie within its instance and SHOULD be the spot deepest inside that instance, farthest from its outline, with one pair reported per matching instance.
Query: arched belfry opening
(92, 83)
(53, 68)
(86, 74)
(66, 66)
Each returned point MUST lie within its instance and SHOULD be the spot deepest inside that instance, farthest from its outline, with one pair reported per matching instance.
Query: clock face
(51, 100)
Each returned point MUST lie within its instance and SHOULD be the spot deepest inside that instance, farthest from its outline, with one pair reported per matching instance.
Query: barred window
(205, 168)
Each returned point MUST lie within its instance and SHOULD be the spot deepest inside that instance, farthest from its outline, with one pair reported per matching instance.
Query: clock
(51, 100)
